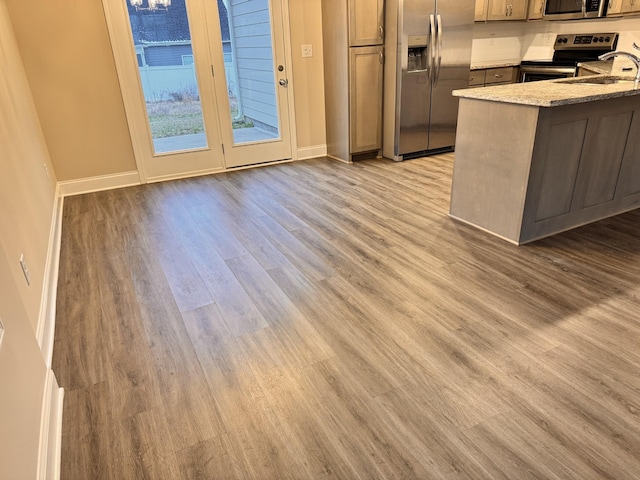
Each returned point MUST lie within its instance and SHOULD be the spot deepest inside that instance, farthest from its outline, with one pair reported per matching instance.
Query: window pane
(167, 73)
(249, 68)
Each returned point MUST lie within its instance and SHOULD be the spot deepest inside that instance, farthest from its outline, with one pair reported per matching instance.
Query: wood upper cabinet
(614, 8)
(366, 20)
(536, 9)
(630, 6)
(508, 10)
(481, 10)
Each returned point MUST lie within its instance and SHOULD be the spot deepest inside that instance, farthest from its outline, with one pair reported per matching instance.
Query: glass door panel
(166, 64)
(253, 92)
(247, 46)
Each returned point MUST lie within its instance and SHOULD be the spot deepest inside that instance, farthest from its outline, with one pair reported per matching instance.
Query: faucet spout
(634, 58)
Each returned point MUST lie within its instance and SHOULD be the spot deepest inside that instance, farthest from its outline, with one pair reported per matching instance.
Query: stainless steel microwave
(574, 9)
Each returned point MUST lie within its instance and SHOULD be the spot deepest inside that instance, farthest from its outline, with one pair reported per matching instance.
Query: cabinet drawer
(500, 75)
(476, 78)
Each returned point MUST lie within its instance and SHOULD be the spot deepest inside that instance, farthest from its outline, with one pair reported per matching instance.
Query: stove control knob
(559, 40)
(607, 39)
(602, 39)
(565, 40)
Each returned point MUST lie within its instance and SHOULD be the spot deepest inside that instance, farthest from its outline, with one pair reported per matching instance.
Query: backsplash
(510, 42)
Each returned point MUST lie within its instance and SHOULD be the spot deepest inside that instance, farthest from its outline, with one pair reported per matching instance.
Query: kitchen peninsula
(535, 159)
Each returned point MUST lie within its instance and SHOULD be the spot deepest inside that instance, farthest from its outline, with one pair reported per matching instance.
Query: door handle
(284, 82)
(432, 49)
(439, 34)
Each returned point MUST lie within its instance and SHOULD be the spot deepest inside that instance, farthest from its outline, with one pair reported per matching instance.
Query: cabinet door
(630, 6)
(498, 10)
(366, 22)
(481, 10)
(365, 98)
(614, 8)
(518, 9)
(536, 9)
(508, 10)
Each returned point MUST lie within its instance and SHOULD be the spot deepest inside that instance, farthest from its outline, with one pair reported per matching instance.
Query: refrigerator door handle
(439, 26)
(432, 49)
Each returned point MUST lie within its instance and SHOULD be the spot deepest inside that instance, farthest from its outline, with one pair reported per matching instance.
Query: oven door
(535, 74)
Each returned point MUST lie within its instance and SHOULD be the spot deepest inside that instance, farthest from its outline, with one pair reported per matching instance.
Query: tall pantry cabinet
(353, 38)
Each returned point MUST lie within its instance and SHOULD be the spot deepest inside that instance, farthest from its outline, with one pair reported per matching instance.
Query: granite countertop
(603, 67)
(495, 64)
(553, 93)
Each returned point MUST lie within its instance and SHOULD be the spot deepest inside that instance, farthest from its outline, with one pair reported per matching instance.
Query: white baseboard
(96, 184)
(312, 152)
(47, 316)
(178, 176)
(50, 430)
(338, 159)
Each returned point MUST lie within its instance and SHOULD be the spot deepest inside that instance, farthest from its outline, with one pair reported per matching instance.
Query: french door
(204, 83)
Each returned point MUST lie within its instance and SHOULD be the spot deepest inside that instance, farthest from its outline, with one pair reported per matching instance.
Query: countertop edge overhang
(552, 93)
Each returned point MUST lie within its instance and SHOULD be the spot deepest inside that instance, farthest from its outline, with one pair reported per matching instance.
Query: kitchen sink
(605, 80)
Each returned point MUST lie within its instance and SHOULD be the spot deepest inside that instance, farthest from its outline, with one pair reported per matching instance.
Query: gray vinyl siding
(254, 59)
(164, 56)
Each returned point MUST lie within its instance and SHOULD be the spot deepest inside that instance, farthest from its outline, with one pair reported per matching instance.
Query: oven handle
(568, 70)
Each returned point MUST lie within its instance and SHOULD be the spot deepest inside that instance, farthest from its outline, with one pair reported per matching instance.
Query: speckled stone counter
(596, 68)
(552, 93)
(495, 64)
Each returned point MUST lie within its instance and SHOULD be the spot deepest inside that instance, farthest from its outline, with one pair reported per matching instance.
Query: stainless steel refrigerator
(428, 53)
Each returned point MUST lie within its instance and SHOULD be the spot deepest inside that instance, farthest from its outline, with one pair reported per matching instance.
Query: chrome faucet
(634, 58)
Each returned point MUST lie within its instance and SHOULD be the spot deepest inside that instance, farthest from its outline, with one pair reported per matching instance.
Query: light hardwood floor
(321, 320)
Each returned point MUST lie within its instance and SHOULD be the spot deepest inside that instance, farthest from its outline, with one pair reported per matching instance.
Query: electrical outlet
(25, 270)
(307, 51)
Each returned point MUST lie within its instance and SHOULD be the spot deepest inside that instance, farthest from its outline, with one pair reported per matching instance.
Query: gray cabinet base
(524, 172)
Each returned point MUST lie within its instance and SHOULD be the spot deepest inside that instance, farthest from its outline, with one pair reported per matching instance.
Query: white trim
(286, 26)
(95, 184)
(121, 43)
(312, 152)
(338, 159)
(178, 176)
(49, 450)
(47, 316)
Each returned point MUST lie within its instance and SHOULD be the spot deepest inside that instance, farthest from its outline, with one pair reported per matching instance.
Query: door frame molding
(286, 20)
(121, 38)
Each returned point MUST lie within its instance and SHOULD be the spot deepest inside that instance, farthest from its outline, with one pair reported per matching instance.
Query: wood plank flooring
(320, 320)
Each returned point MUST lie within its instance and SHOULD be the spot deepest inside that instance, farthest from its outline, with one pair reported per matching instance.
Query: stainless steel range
(568, 51)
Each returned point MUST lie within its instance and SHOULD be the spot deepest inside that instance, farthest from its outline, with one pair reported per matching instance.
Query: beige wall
(308, 74)
(26, 206)
(67, 55)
